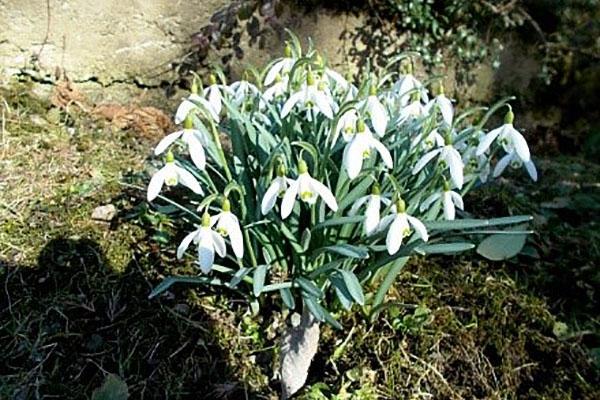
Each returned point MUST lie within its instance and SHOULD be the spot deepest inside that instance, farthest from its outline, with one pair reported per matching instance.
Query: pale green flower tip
(169, 158)
(212, 79)
(226, 206)
(278, 78)
(440, 88)
(348, 76)
(509, 117)
(319, 60)
(373, 90)
(188, 123)
(206, 219)
(415, 96)
(446, 186)
(360, 126)
(448, 138)
(287, 51)
(400, 206)
(310, 78)
(194, 88)
(281, 170)
(375, 189)
(302, 167)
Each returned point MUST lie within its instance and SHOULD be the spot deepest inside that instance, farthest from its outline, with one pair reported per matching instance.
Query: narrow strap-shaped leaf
(443, 248)
(475, 223)
(259, 279)
(309, 287)
(342, 292)
(389, 279)
(288, 298)
(353, 285)
(171, 280)
(347, 250)
(339, 221)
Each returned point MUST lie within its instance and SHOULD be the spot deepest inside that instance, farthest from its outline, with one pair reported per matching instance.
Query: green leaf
(444, 248)
(305, 239)
(389, 279)
(320, 313)
(339, 221)
(259, 279)
(348, 250)
(171, 280)
(341, 290)
(309, 287)
(238, 276)
(353, 285)
(460, 224)
(501, 247)
(288, 298)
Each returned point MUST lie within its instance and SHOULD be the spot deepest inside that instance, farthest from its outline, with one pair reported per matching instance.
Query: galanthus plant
(329, 185)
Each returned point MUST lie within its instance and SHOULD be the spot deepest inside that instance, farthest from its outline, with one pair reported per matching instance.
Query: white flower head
(407, 84)
(312, 95)
(513, 159)
(228, 225)
(509, 138)
(214, 94)
(208, 242)
(372, 209)
(433, 139)
(275, 190)
(191, 103)
(376, 111)
(399, 225)
(278, 88)
(443, 104)
(308, 190)
(450, 200)
(412, 110)
(346, 125)
(191, 137)
(450, 157)
(241, 90)
(281, 67)
(171, 174)
(360, 148)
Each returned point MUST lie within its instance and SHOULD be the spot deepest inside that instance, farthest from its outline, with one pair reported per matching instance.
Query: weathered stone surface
(108, 41)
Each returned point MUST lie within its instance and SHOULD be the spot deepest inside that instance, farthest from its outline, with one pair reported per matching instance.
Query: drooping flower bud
(302, 167)
(169, 158)
(188, 123)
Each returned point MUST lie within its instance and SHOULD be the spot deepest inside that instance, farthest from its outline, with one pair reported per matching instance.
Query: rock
(104, 213)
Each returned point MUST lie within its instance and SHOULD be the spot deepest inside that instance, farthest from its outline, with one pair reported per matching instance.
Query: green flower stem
(215, 135)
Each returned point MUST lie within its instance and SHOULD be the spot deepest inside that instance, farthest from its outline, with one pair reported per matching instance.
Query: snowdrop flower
(282, 67)
(171, 174)
(278, 89)
(406, 84)
(443, 104)
(208, 242)
(360, 148)
(450, 200)
(414, 109)
(346, 125)
(214, 94)
(241, 90)
(433, 139)
(376, 111)
(509, 138)
(475, 166)
(451, 158)
(191, 103)
(190, 136)
(513, 159)
(310, 96)
(308, 190)
(372, 211)
(399, 227)
(229, 225)
(276, 189)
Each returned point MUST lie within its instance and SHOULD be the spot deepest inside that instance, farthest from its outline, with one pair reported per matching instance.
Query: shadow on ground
(70, 322)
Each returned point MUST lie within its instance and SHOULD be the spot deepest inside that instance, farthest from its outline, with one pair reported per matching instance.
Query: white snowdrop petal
(502, 164)
(156, 183)
(419, 227)
(187, 179)
(289, 198)
(166, 142)
(185, 243)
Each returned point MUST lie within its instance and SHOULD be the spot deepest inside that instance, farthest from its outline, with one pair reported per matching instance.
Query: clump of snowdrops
(303, 183)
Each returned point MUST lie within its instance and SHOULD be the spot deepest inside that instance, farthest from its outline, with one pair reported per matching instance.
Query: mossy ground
(74, 305)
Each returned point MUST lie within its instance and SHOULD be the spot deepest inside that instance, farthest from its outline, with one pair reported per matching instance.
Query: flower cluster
(325, 172)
